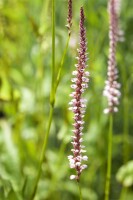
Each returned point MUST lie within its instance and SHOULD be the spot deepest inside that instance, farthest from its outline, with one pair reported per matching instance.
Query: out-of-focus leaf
(9, 160)
(125, 174)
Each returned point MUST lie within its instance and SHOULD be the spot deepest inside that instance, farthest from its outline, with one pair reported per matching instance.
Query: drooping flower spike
(111, 90)
(78, 103)
(69, 17)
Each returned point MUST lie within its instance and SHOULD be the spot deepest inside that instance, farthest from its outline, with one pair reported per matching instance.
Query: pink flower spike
(111, 85)
(78, 103)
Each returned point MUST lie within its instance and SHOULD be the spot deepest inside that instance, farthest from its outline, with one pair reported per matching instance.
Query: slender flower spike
(69, 17)
(78, 103)
(111, 90)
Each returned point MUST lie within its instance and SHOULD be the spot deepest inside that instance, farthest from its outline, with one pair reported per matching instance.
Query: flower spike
(111, 90)
(78, 103)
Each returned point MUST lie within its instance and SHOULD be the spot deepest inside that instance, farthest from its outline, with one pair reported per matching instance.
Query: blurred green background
(25, 81)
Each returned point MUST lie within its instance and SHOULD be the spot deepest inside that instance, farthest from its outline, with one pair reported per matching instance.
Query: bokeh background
(25, 81)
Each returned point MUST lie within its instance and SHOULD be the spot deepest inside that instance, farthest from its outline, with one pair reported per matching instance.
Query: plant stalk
(52, 94)
(54, 86)
(43, 153)
(61, 65)
(80, 192)
(109, 161)
(52, 100)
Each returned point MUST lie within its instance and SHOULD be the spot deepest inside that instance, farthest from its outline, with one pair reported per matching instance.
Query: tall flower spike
(69, 17)
(78, 104)
(111, 90)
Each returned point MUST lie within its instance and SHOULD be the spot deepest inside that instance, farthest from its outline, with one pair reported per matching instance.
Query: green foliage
(125, 174)
(25, 84)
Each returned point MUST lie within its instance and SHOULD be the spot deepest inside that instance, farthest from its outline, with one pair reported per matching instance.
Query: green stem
(125, 141)
(109, 161)
(54, 180)
(80, 192)
(61, 65)
(54, 86)
(43, 153)
(52, 94)
(52, 100)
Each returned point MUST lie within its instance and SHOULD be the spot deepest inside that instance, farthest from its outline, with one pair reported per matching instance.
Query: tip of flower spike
(82, 13)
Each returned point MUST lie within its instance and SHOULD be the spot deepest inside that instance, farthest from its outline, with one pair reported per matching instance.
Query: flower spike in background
(78, 104)
(69, 17)
(111, 90)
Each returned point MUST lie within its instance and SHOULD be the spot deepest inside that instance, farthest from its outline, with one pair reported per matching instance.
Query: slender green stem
(61, 65)
(52, 100)
(54, 179)
(54, 86)
(126, 152)
(80, 192)
(109, 161)
(43, 153)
